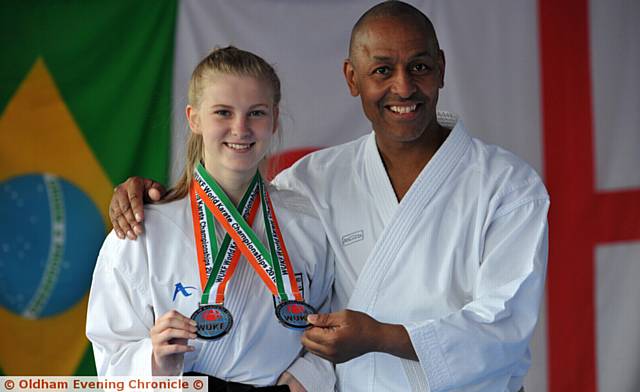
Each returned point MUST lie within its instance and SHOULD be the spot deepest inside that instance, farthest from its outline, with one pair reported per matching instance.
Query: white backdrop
(492, 80)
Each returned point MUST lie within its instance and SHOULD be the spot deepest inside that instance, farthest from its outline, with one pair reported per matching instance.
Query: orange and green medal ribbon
(219, 270)
(273, 267)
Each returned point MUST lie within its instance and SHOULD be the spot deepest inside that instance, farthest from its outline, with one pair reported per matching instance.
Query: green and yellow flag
(85, 98)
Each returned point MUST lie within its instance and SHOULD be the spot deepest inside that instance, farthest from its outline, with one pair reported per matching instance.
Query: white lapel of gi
(403, 218)
(378, 181)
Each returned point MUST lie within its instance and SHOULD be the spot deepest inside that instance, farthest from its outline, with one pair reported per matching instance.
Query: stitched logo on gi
(352, 238)
(183, 290)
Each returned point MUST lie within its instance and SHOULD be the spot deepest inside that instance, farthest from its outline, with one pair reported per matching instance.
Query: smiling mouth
(402, 109)
(239, 146)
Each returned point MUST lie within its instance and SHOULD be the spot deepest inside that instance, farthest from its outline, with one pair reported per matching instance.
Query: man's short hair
(392, 9)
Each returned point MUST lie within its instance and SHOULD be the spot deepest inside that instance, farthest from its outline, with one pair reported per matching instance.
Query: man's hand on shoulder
(126, 210)
(344, 335)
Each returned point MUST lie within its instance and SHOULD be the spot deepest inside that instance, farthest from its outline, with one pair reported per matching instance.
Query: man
(440, 239)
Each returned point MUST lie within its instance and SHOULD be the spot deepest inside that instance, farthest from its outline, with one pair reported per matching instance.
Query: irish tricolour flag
(93, 92)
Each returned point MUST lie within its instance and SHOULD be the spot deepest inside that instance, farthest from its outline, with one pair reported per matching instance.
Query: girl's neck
(234, 184)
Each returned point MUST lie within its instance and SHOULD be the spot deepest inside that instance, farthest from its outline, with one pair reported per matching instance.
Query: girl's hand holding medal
(169, 337)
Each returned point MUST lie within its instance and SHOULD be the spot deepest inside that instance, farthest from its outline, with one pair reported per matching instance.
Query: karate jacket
(460, 262)
(135, 282)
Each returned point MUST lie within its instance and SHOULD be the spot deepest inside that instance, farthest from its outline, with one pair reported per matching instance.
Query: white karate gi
(134, 283)
(460, 261)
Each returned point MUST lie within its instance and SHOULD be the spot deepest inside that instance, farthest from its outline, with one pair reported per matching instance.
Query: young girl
(228, 268)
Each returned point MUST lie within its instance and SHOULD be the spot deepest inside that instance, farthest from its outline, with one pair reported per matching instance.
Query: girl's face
(237, 119)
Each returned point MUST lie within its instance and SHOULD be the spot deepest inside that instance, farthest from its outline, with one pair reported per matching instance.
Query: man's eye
(381, 71)
(420, 67)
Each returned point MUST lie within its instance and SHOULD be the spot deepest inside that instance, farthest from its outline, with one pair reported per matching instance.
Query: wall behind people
(555, 83)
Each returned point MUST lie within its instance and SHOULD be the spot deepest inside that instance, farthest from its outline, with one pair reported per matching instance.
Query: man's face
(397, 71)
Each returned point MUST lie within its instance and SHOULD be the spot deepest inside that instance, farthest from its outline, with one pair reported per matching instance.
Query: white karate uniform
(135, 282)
(460, 262)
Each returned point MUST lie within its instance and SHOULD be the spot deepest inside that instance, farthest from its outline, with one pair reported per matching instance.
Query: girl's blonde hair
(230, 61)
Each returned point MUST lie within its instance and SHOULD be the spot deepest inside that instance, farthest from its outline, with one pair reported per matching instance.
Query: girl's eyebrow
(225, 106)
(221, 105)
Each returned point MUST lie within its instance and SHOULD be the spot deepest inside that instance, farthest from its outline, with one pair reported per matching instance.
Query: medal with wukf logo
(291, 310)
(273, 267)
(216, 265)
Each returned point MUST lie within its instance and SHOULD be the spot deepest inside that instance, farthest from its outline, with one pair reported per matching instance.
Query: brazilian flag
(85, 99)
